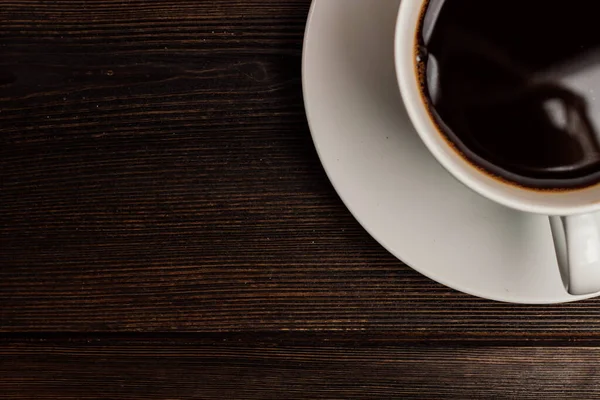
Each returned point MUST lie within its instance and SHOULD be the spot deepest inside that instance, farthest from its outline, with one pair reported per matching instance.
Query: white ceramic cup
(574, 216)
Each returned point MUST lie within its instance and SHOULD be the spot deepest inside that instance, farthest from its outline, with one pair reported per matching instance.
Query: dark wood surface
(148, 369)
(158, 181)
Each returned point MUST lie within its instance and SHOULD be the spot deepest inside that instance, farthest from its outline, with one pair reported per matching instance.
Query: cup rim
(523, 199)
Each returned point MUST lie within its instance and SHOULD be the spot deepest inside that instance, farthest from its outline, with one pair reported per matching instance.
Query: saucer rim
(423, 271)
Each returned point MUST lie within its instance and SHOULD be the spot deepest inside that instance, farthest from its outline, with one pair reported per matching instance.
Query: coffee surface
(513, 85)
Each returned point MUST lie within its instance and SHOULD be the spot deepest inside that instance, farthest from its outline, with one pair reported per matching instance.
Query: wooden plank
(139, 369)
(157, 174)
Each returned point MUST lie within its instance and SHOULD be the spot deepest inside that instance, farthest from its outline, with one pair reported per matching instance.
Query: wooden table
(167, 230)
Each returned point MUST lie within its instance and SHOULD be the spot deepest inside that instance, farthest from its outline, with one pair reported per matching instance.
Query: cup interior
(566, 201)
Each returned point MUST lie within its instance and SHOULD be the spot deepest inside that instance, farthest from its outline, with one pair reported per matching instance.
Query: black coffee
(512, 84)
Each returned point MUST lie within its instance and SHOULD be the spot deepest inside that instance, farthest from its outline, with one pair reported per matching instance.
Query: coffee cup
(573, 210)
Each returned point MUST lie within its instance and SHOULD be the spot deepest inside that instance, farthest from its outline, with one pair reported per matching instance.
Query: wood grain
(167, 231)
(140, 369)
(157, 174)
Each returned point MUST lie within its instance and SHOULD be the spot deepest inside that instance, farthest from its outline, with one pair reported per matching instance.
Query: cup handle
(577, 245)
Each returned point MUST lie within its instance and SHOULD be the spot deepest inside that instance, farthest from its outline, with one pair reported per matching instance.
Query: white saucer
(391, 183)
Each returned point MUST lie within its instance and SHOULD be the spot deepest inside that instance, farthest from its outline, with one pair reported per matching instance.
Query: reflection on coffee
(515, 86)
